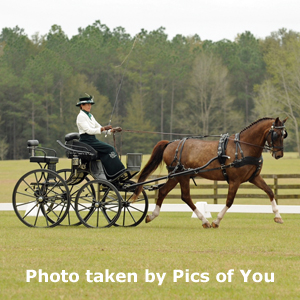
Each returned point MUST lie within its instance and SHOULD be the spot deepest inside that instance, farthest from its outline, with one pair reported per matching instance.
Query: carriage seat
(44, 159)
(33, 146)
(72, 136)
(80, 149)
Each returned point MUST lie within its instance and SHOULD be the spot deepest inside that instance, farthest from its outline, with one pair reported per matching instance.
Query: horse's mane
(255, 122)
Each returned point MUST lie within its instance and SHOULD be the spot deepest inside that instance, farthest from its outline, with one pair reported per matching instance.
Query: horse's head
(275, 137)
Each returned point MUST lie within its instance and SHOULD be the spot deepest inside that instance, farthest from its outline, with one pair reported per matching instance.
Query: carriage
(83, 194)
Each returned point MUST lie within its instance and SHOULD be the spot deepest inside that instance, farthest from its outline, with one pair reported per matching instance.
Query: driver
(88, 127)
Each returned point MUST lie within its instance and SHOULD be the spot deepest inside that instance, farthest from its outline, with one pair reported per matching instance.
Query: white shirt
(87, 125)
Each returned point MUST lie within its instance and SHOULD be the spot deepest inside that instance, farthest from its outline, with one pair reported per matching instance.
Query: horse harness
(237, 163)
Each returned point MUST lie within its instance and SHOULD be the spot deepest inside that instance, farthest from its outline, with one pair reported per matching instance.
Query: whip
(121, 81)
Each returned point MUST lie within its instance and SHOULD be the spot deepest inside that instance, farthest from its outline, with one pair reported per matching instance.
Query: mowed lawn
(172, 257)
(183, 261)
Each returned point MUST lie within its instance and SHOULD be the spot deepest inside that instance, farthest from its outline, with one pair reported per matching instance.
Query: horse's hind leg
(186, 197)
(259, 182)
(163, 192)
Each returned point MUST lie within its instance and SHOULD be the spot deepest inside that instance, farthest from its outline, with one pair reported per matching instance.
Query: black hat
(84, 100)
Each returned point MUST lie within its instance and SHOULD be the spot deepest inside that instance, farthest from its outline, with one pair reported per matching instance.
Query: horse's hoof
(214, 225)
(148, 219)
(278, 220)
(206, 225)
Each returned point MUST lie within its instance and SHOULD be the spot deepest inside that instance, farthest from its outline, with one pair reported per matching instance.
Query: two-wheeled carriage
(46, 197)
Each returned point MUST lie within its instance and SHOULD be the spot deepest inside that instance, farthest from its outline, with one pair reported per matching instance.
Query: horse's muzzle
(277, 155)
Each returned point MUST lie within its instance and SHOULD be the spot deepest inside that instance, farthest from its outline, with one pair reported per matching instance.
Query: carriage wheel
(72, 219)
(132, 214)
(41, 198)
(101, 201)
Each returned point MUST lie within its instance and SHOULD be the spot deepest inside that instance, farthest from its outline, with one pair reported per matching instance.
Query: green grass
(174, 241)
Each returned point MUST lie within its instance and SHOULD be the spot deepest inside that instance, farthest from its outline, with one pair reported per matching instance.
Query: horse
(239, 160)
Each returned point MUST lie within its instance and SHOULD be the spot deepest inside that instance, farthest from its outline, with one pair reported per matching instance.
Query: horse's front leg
(233, 187)
(259, 182)
(163, 192)
(186, 197)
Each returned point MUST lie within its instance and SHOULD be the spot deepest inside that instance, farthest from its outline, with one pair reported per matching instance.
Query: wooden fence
(218, 189)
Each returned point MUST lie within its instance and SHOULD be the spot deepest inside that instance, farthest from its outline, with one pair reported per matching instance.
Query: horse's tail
(154, 161)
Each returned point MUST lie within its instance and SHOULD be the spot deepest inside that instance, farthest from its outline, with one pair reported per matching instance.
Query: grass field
(174, 244)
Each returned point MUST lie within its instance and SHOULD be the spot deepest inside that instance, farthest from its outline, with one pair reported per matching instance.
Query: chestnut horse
(242, 161)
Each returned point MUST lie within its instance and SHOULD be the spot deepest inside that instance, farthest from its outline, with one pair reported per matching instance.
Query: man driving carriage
(88, 127)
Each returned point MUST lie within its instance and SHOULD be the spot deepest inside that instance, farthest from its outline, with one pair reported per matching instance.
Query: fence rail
(216, 188)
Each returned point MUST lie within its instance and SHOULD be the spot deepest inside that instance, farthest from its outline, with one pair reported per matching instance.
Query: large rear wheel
(41, 198)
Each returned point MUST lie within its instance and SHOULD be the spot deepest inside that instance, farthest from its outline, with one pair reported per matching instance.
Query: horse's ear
(277, 121)
(285, 120)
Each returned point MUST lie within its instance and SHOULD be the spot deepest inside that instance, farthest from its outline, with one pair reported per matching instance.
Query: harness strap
(178, 166)
(238, 146)
(221, 154)
(179, 161)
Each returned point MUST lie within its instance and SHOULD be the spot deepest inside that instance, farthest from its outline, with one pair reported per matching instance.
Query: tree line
(153, 87)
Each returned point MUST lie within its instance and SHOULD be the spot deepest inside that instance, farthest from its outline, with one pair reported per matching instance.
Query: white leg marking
(200, 216)
(155, 213)
(221, 215)
(275, 209)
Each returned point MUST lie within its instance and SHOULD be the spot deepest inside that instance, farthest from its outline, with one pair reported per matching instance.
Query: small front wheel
(41, 198)
(100, 201)
(133, 213)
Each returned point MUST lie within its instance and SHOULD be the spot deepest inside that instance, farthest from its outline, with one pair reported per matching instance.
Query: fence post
(215, 192)
(276, 188)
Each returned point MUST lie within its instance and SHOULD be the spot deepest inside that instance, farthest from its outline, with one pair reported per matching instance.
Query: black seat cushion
(72, 136)
(44, 159)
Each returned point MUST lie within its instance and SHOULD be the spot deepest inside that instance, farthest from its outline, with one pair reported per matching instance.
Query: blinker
(274, 134)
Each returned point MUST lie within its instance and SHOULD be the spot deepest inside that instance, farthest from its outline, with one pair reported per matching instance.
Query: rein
(271, 148)
(265, 147)
(169, 133)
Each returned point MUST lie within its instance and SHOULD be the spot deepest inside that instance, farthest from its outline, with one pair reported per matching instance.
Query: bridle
(274, 136)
